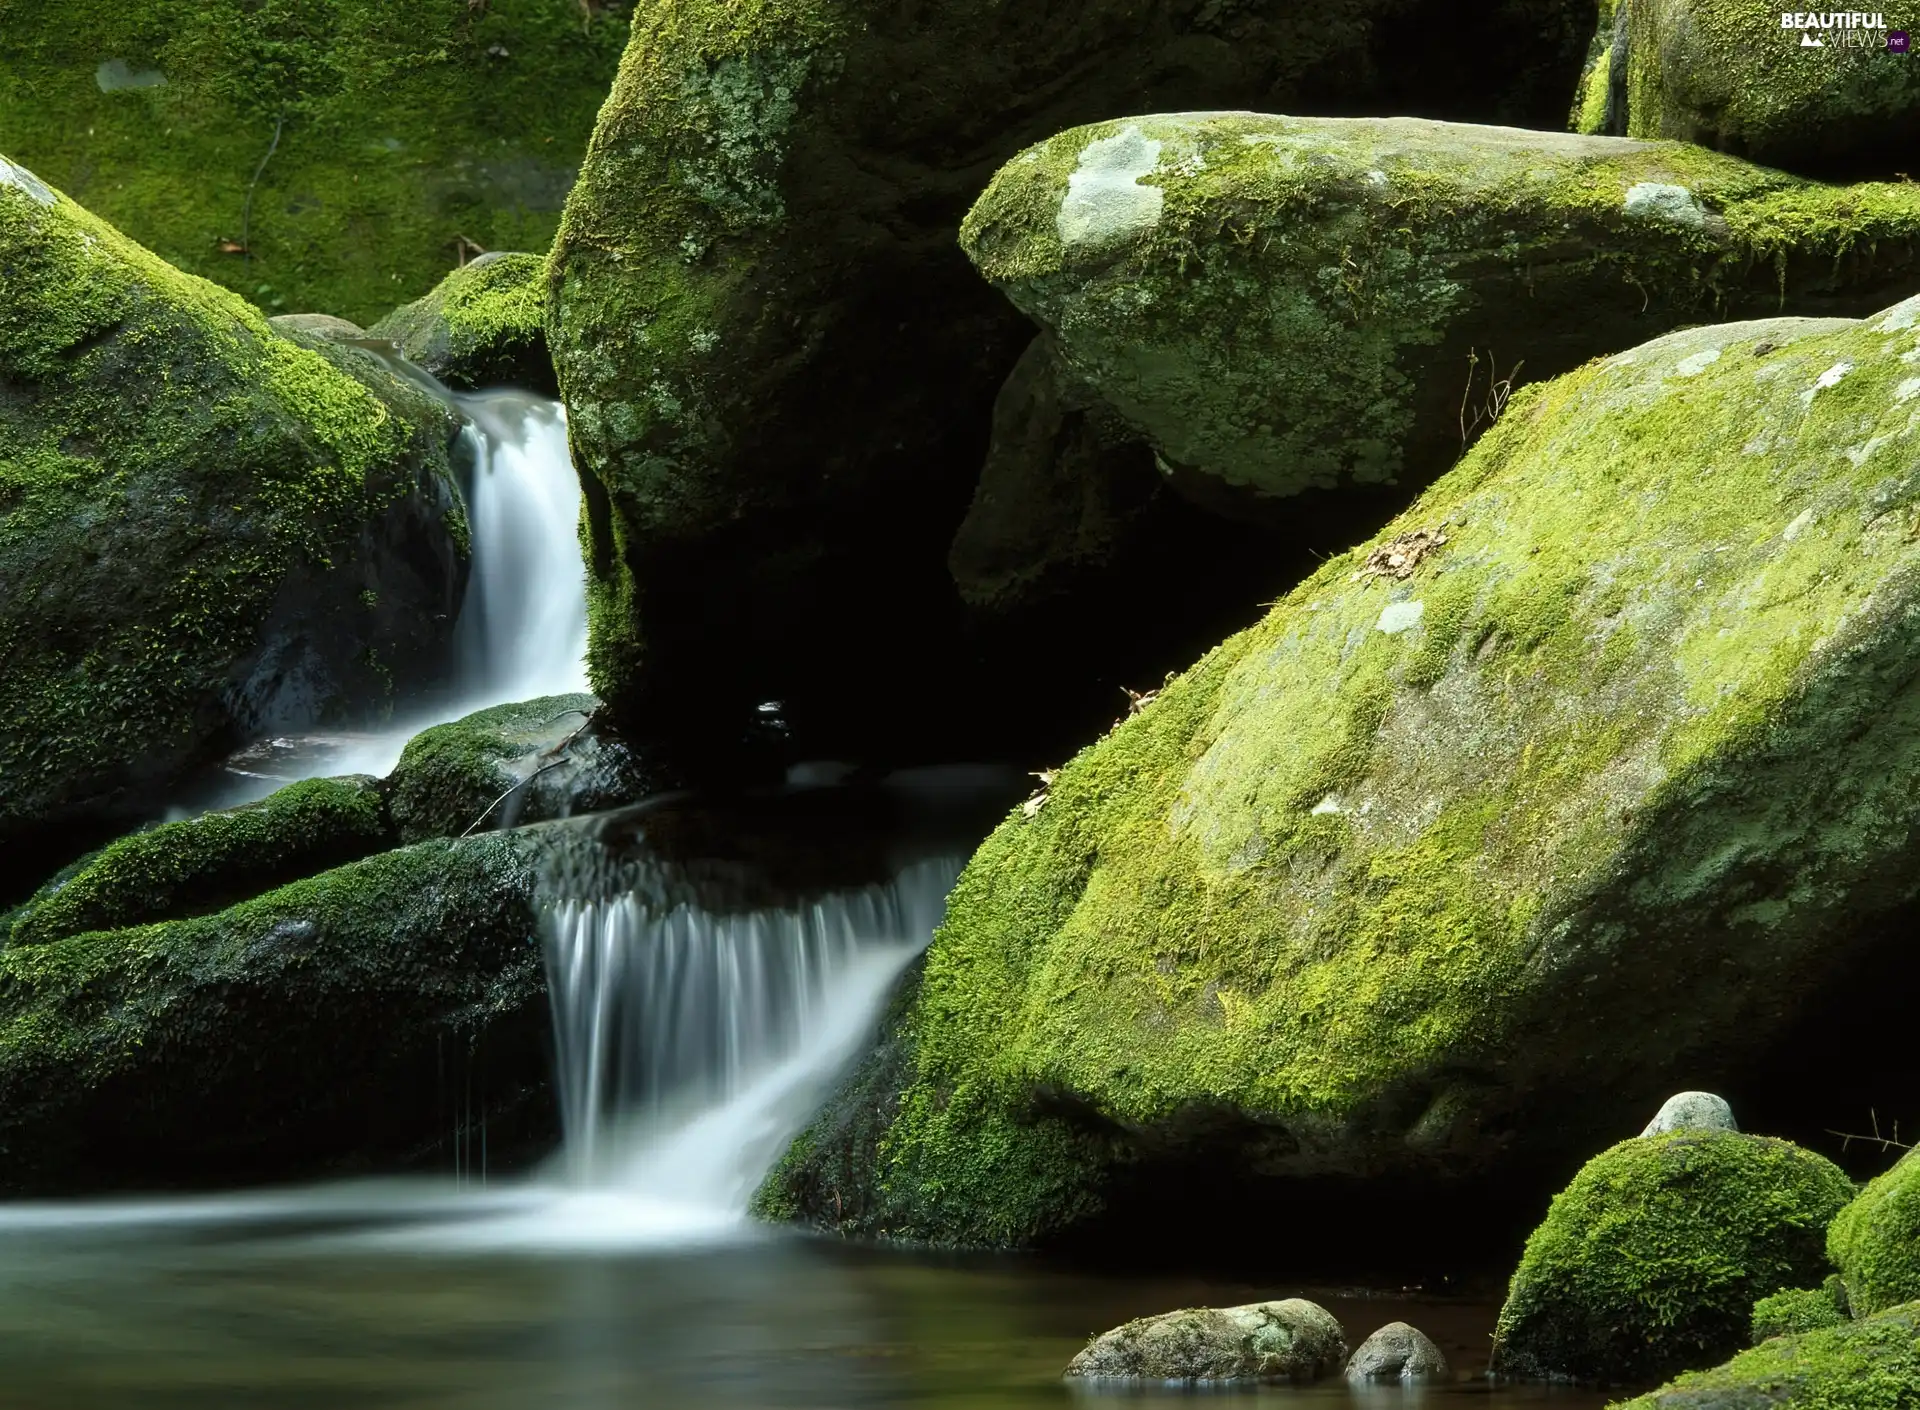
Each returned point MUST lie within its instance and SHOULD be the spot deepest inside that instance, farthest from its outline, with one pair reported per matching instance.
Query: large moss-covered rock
(519, 763)
(1282, 305)
(483, 325)
(363, 1017)
(1650, 1261)
(311, 154)
(1729, 74)
(1875, 1243)
(777, 367)
(206, 530)
(1873, 1364)
(1472, 850)
(203, 864)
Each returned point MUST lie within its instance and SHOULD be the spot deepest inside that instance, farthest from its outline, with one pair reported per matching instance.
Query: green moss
(206, 863)
(191, 508)
(1872, 1364)
(1724, 73)
(403, 129)
(482, 325)
(1875, 1243)
(1799, 1310)
(1650, 1262)
(1377, 904)
(1379, 276)
(296, 1031)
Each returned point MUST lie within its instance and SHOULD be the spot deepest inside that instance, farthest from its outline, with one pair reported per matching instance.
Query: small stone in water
(1397, 1352)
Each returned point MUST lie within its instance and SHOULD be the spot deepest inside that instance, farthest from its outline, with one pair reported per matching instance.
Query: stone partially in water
(1695, 1111)
(1290, 1340)
(1397, 1352)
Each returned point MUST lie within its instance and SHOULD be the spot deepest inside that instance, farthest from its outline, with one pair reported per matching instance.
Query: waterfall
(693, 1044)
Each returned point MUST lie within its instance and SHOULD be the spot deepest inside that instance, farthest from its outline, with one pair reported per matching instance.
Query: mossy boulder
(1289, 305)
(311, 154)
(1875, 1243)
(778, 369)
(483, 325)
(204, 864)
(1873, 1364)
(1650, 1261)
(1728, 74)
(1574, 783)
(207, 531)
(363, 1018)
(1799, 1310)
(509, 764)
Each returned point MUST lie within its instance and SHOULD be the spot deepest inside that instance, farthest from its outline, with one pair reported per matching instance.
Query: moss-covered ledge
(483, 325)
(1394, 873)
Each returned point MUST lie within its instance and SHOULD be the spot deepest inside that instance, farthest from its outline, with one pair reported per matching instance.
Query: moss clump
(1799, 1310)
(206, 863)
(1875, 1243)
(1872, 1364)
(483, 325)
(397, 131)
(206, 530)
(1292, 304)
(1407, 873)
(1725, 74)
(509, 764)
(353, 1018)
(1650, 1262)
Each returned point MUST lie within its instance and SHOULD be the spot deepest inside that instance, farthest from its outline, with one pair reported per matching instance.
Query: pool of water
(387, 1297)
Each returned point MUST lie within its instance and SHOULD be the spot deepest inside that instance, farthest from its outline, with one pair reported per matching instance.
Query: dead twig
(246, 215)
(1886, 1143)
(463, 247)
(1499, 393)
(555, 757)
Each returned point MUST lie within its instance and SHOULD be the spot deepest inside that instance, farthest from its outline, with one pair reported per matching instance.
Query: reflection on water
(300, 1301)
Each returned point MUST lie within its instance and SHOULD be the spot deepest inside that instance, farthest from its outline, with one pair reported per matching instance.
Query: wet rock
(1831, 101)
(316, 325)
(1692, 1111)
(1400, 981)
(511, 764)
(1649, 1263)
(777, 369)
(1874, 1362)
(1397, 1352)
(1291, 1340)
(1290, 305)
(484, 325)
(1875, 1243)
(211, 532)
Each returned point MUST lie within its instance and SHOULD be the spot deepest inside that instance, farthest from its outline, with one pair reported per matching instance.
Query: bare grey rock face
(1692, 1111)
(1292, 1340)
(1397, 1352)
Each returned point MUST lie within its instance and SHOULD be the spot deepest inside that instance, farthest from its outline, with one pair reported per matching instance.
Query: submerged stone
(1416, 905)
(207, 530)
(1290, 1340)
(1650, 1261)
(1866, 1365)
(484, 325)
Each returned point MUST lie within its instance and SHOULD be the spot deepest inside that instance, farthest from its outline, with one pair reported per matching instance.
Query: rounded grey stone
(1397, 1352)
(1692, 1111)
(1288, 1340)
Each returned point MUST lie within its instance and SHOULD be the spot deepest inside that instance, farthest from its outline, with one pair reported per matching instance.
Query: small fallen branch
(554, 757)
(246, 216)
(1499, 393)
(1885, 1143)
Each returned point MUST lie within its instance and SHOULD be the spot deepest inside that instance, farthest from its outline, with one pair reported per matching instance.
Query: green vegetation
(1872, 1364)
(206, 863)
(1649, 1263)
(1800, 1310)
(350, 146)
(1875, 1243)
(484, 324)
(1357, 261)
(205, 528)
(1638, 725)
